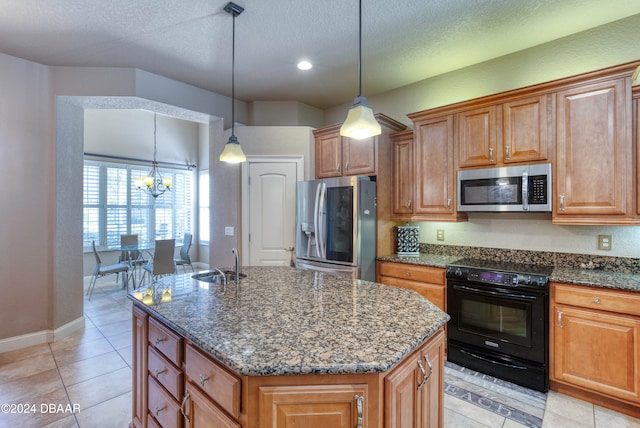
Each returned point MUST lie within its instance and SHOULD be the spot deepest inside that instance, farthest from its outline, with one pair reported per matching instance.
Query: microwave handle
(525, 191)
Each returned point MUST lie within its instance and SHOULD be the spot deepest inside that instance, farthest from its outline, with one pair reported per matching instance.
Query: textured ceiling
(404, 41)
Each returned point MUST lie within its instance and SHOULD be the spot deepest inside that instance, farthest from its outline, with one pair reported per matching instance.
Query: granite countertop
(587, 277)
(285, 321)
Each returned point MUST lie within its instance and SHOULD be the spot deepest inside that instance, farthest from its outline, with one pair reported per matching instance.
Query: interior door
(272, 213)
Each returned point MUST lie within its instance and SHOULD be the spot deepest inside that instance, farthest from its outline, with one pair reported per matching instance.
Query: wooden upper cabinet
(403, 176)
(527, 129)
(359, 156)
(477, 137)
(338, 156)
(517, 131)
(328, 147)
(594, 154)
(435, 169)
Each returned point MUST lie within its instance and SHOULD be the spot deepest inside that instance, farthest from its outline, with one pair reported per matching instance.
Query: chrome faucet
(224, 277)
(235, 253)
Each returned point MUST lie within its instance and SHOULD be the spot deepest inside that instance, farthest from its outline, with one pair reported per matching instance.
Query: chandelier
(153, 184)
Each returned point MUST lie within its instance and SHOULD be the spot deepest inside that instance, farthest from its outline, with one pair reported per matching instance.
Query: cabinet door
(597, 350)
(477, 136)
(527, 127)
(336, 406)
(593, 167)
(359, 156)
(200, 412)
(403, 176)
(636, 146)
(414, 394)
(328, 149)
(435, 170)
(139, 365)
(432, 390)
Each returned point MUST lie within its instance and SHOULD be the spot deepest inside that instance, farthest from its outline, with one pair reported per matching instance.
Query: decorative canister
(407, 240)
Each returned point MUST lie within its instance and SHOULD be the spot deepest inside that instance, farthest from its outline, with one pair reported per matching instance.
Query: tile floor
(91, 371)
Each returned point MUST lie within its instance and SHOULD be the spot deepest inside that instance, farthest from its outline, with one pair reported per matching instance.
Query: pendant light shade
(360, 122)
(232, 152)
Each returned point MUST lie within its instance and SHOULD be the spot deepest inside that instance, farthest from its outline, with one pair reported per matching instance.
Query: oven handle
(511, 366)
(495, 293)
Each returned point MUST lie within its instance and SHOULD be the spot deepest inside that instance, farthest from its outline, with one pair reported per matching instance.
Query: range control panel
(496, 277)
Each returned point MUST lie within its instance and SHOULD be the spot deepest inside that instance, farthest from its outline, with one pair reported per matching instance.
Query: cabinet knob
(596, 300)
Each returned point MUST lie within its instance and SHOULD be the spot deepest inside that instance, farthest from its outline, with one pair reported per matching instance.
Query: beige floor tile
(87, 334)
(114, 413)
(508, 423)
(111, 317)
(127, 355)
(26, 367)
(606, 418)
(118, 327)
(121, 340)
(570, 408)
(457, 420)
(101, 388)
(22, 390)
(82, 351)
(91, 367)
(473, 412)
(68, 422)
(24, 353)
(45, 409)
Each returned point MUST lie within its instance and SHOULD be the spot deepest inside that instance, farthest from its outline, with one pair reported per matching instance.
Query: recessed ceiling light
(304, 65)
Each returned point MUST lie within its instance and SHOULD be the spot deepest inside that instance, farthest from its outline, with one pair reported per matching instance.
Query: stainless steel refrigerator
(336, 226)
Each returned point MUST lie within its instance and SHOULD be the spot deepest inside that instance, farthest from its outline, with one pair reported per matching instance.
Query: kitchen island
(288, 345)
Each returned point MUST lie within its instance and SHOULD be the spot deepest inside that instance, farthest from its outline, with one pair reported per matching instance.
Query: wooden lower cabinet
(595, 345)
(430, 282)
(185, 387)
(338, 406)
(414, 389)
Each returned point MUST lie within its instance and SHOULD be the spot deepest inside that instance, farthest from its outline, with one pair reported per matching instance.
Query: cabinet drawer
(202, 411)
(165, 373)
(598, 298)
(428, 274)
(165, 341)
(218, 383)
(433, 293)
(162, 407)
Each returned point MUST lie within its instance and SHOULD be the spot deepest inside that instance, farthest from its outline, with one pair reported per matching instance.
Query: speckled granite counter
(605, 275)
(286, 321)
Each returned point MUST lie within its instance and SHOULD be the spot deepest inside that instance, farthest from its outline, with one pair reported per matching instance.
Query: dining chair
(129, 253)
(162, 261)
(184, 259)
(100, 271)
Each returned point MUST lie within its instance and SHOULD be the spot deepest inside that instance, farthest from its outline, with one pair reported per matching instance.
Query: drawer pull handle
(158, 410)
(203, 379)
(160, 340)
(359, 401)
(159, 372)
(596, 300)
(182, 406)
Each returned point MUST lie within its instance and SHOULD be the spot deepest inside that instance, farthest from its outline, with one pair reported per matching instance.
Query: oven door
(499, 319)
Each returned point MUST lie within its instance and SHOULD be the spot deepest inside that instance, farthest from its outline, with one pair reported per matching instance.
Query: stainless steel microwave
(524, 188)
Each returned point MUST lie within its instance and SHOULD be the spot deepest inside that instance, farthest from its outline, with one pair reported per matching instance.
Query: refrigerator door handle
(321, 212)
(316, 227)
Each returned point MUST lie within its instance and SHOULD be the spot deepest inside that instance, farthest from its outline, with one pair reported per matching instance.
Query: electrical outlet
(440, 234)
(604, 242)
(229, 230)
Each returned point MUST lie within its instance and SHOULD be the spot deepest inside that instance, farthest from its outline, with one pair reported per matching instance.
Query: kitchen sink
(215, 276)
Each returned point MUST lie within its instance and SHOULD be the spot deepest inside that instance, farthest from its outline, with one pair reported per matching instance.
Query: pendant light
(360, 122)
(232, 152)
(154, 184)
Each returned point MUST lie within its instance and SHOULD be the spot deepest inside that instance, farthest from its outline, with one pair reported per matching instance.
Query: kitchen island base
(176, 384)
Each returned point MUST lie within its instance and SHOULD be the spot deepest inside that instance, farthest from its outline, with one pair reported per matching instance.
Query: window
(203, 201)
(114, 206)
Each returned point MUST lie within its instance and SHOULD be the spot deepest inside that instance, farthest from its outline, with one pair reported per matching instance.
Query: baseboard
(40, 337)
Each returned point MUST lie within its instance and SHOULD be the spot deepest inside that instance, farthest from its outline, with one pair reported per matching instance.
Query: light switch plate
(604, 242)
(440, 234)
(229, 230)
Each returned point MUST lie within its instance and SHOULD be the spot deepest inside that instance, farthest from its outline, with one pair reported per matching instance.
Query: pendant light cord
(360, 48)
(233, 73)
(155, 140)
